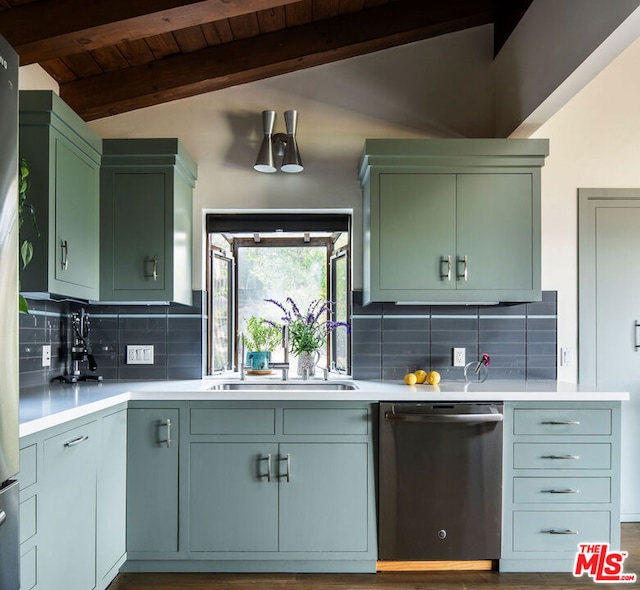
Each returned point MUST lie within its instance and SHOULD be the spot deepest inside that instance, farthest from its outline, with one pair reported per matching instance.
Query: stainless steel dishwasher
(440, 481)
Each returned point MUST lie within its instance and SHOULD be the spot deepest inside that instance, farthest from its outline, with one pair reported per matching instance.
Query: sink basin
(283, 386)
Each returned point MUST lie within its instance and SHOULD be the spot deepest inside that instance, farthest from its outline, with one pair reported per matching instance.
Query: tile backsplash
(177, 333)
(389, 340)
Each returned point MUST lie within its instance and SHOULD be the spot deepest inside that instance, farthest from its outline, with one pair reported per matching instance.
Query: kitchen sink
(283, 386)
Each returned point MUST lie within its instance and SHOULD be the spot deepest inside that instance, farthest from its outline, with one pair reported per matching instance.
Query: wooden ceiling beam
(248, 60)
(47, 29)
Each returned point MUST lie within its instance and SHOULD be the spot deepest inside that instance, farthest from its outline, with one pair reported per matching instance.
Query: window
(260, 257)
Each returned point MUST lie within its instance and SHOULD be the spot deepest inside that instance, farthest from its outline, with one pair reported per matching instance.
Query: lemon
(433, 378)
(420, 376)
(410, 379)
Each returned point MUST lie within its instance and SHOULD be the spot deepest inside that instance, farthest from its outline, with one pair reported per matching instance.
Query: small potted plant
(308, 332)
(260, 340)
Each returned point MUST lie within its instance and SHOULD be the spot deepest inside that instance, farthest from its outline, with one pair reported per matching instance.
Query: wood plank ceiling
(114, 56)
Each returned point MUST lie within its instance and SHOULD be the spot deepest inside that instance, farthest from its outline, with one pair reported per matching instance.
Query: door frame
(589, 199)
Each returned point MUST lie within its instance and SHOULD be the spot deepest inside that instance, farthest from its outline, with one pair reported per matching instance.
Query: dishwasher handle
(493, 416)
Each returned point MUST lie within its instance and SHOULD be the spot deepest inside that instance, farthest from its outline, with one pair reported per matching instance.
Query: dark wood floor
(384, 581)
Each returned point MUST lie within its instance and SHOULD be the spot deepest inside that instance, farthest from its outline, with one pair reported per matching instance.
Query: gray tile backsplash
(390, 340)
(175, 331)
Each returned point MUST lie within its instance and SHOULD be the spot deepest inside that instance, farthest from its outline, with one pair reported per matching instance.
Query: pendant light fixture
(279, 144)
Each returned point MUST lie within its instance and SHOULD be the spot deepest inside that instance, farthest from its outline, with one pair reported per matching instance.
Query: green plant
(261, 336)
(26, 247)
(307, 331)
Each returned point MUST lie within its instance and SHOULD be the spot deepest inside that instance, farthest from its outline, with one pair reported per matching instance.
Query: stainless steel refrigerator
(9, 532)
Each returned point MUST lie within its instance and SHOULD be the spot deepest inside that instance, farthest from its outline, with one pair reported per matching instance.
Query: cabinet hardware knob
(268, 460)
(64, 262)
(168, 425)
(562, 422)
(446, 275)
(76, 441)
(287, 458)
(465, 269)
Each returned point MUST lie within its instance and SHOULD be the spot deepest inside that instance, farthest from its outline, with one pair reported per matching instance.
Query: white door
(609, 287)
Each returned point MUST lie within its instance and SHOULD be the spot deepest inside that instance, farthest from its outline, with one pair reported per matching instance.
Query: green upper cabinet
(146, 221)
(452, 220)
(64, 155)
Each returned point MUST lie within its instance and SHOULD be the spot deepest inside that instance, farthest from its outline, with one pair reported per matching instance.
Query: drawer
(28, 467)
(28, 566)
(552, 531)
(562, 421)
(326, 421)
(561, 490)
(562, 455)
(238, 421)
(28, 516)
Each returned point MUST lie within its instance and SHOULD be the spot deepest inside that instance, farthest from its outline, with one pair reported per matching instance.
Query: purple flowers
(309, 331)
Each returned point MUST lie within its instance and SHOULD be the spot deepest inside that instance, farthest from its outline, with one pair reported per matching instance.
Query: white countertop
(50, 405)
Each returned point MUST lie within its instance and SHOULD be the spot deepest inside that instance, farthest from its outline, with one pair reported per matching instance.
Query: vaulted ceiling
(114, 56)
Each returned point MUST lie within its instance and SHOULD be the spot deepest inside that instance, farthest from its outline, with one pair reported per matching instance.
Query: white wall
(440, 87)
(594, 143)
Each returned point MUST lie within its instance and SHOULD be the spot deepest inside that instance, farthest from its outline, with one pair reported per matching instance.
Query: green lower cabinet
(561, 482)
(321, 504)
(112, 496)
(233, 502)
(280, 488)
(152, 483)
(67, 511)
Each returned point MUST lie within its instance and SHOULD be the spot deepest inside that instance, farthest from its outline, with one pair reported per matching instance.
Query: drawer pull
(447, 275)
(567, 491)
(571, 457)
(564, 532)
(562, 422)
(76, 441)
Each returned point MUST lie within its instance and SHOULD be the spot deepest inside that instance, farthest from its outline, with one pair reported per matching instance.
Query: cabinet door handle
(567, 491)
(268, 460)
(64, 260)
(465, 269)
(562, 422)
(154, 274)
(3, 517)
(564, 532)
(572, 457)
(168, 425)
(447, 275)
(287, 458)
(76, 441)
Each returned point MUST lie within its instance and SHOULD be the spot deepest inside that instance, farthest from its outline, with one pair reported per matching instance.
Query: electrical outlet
(566, 357)
(46, 355)
(139, 354)
(459, 355)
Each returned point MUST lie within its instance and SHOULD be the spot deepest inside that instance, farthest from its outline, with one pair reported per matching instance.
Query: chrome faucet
(284, 366)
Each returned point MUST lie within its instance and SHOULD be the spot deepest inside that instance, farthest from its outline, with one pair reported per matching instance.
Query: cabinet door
(67, 545)
(77, 225)
(233, 504)
(112, 492)
(152, 480)
(323, 501)
(495, 232)
(140, 218)
(416, 221)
